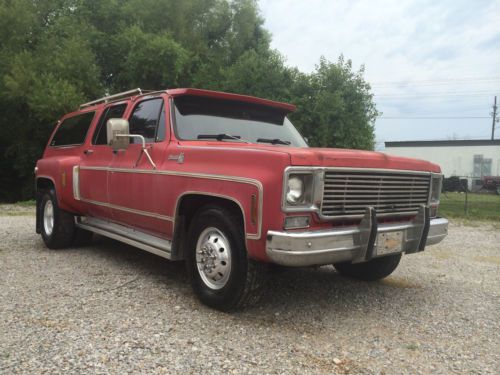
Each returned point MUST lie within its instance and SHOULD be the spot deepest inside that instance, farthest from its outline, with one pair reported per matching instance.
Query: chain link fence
(477, 201)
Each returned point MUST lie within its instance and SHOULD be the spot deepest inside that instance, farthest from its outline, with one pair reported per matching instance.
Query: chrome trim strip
(375, 170)
(126, 209)
(243, 180)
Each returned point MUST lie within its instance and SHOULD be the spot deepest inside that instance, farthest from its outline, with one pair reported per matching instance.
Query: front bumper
(355, 244)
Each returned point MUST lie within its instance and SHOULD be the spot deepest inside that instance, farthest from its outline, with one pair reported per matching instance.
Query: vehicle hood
(339, 157)
(334, 157)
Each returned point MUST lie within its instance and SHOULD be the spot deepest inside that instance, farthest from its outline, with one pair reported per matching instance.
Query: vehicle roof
(237, 97)
(286, 107)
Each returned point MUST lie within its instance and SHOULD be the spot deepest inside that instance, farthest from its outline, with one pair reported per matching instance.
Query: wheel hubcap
(48, 217)
(213, 257)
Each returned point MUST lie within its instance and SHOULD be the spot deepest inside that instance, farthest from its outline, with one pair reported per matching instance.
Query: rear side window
(145, 118)
(73, 130)
(116, 111)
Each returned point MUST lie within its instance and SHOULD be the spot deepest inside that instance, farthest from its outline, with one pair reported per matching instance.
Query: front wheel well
(44, 184)
(187, 207)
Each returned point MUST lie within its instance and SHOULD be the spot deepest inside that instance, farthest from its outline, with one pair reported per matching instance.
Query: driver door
(133, 182)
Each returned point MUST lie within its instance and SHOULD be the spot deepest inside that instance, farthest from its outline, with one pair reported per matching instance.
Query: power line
(393, 100)
(437, 94)
(437, 81)
(432, 118)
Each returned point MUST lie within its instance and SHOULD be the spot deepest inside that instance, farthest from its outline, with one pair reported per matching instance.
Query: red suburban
(226, 183)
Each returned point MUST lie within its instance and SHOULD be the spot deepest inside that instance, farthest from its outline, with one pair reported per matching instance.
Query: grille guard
(356, 244)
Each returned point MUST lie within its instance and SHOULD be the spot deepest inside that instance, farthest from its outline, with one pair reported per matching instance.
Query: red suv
(226, 183)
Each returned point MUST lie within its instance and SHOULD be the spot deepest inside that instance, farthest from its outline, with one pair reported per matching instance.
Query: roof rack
(113, 97)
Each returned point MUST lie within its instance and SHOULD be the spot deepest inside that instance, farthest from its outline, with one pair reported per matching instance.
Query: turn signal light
(295, 222)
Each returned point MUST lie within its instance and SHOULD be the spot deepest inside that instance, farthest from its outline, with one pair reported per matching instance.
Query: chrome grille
(348, 193)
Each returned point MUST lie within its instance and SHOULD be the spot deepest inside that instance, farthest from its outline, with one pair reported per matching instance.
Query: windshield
(199, 117)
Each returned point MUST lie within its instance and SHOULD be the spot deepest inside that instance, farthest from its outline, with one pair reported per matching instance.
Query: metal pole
(466, 208)
(494, 114)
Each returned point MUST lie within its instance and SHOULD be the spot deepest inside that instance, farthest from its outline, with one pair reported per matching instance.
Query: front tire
(373, 270)
(58, 226)
(221, 274)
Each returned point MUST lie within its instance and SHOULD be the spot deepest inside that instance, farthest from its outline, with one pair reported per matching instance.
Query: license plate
(388, 243)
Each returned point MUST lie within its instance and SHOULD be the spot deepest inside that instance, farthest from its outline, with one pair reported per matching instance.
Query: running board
(127, 235)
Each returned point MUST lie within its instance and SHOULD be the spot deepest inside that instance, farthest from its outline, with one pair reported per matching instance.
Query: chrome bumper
(356, 244)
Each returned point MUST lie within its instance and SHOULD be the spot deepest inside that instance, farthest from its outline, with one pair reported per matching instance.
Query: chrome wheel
(213, 258)
(48, 217)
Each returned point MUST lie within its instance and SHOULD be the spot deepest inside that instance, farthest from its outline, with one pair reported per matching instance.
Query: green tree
(259, 73)
(335, 106)
(148, 60)
(56, 54)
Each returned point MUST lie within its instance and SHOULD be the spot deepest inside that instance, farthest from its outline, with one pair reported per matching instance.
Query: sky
(434, 66)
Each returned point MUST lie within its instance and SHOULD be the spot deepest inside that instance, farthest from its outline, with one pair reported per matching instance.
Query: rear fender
(59, 171)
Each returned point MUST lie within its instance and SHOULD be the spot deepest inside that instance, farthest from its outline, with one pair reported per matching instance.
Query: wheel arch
(186, 207)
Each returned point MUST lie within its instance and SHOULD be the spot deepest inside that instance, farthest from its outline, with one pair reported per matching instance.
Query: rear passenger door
(95, 162)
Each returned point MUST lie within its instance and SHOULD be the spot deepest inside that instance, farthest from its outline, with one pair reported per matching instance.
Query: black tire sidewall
(228, 296)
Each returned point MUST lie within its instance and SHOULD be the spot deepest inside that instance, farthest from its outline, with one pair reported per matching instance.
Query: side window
(115, 111)
(73, 130)
(145, 118)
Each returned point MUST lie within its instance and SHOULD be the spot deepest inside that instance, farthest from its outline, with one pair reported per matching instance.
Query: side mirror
(117, 132)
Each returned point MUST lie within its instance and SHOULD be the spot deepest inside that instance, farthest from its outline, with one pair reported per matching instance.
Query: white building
(471, 159)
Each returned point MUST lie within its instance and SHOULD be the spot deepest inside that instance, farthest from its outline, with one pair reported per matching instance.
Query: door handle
(88, 152)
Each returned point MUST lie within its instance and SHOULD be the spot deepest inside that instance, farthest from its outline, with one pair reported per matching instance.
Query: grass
(480, 206)
(24, 208)
(30, 203)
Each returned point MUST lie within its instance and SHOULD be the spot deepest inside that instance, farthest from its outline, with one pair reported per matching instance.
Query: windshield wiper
(222, 136)
(275, 141)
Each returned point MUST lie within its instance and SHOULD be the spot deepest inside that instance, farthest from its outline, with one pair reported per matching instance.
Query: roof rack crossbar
(108, 98)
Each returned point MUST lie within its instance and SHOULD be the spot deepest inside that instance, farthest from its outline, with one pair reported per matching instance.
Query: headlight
(435, 193)
(436, 183)
(298, 190)
(295, 190)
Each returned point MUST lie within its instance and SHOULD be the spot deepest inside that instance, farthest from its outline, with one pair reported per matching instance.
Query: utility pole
(494, 114)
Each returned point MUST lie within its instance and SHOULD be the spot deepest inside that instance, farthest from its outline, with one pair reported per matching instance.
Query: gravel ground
(110, 308)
